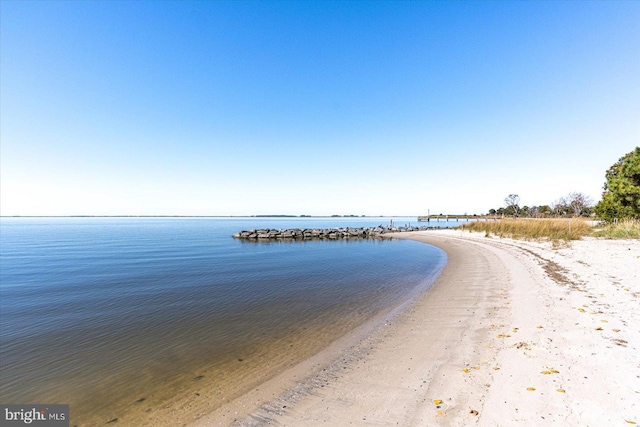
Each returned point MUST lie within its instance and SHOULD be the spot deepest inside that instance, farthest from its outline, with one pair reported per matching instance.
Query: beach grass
(552, 229)
(627, 229)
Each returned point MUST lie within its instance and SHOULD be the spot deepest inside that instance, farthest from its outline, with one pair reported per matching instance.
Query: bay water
(118, 316)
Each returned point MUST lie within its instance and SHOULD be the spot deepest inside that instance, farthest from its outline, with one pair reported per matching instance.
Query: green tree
(621, 196)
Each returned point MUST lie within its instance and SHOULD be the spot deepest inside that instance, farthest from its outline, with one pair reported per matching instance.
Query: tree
(560, 207)
(534, 212)
(544, 210)
(512, 204)
(621, 196)
(578, 203)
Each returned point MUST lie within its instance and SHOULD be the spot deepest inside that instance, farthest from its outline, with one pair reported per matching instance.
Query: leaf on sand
(598, 328)
(553, 371)
(473, 412)
(440, 414)
(581, 309)
(539, 326)
(531, 388)
(496, 368)
(438, 402)
(465, 370)
(630, 422)
(616, 330)
(560, 390)
(545, 372)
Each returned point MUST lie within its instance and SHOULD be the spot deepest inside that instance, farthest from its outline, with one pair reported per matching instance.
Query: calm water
(99, 312)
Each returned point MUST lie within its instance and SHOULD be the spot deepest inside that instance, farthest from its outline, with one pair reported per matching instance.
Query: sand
(511, 333)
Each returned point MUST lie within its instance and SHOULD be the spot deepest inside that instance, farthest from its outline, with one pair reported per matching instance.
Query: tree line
(620, 198)
(573, 204)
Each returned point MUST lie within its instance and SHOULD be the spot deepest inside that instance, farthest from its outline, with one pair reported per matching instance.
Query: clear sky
(318, 108)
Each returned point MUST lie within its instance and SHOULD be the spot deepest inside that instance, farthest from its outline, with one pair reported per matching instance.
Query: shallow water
(106, 313)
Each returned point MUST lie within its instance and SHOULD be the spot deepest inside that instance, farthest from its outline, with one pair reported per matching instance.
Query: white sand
(512, 332)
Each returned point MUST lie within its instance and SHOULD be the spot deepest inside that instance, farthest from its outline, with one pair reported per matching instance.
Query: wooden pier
(457, 218)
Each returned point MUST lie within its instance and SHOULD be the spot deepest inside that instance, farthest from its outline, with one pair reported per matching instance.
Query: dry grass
(552, 229)
(627, 229)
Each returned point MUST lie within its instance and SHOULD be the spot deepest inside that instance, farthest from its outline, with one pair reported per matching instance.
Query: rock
(329, 233)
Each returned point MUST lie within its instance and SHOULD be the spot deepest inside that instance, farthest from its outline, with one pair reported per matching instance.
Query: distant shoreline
(209, 216)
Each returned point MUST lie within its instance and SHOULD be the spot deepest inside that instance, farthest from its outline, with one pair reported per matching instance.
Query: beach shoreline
(510, 332)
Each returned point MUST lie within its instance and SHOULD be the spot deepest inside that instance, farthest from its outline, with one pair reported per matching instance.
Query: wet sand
(189, 396)
(510, 333)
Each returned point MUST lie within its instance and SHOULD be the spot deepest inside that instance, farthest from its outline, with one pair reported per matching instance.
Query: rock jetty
(326, 233)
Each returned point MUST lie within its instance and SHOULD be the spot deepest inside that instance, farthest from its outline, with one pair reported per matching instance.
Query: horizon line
(204, 216)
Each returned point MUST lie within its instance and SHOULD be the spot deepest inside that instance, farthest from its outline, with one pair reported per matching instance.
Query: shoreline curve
(496, 340)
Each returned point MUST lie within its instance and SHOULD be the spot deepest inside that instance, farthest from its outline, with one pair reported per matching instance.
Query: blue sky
(320, 108)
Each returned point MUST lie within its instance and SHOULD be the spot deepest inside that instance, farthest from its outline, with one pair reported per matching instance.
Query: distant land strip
(204, 216)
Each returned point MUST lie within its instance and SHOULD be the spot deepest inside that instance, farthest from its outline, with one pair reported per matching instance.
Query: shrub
(627, 229)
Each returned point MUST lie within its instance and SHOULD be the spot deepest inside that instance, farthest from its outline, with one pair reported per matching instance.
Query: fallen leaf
(440, 414)
(630, 422)
(553, 371)
(539, 326)
(604, 321)
(473, 412)
(560, 390)
(465, 370)
(531, 388)
(616, 330)
(581, 309)
(496, 369)
(438, 402)
(545, 372)
(598, 328)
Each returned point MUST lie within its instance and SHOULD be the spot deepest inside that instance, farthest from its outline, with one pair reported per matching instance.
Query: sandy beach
(511, 333)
